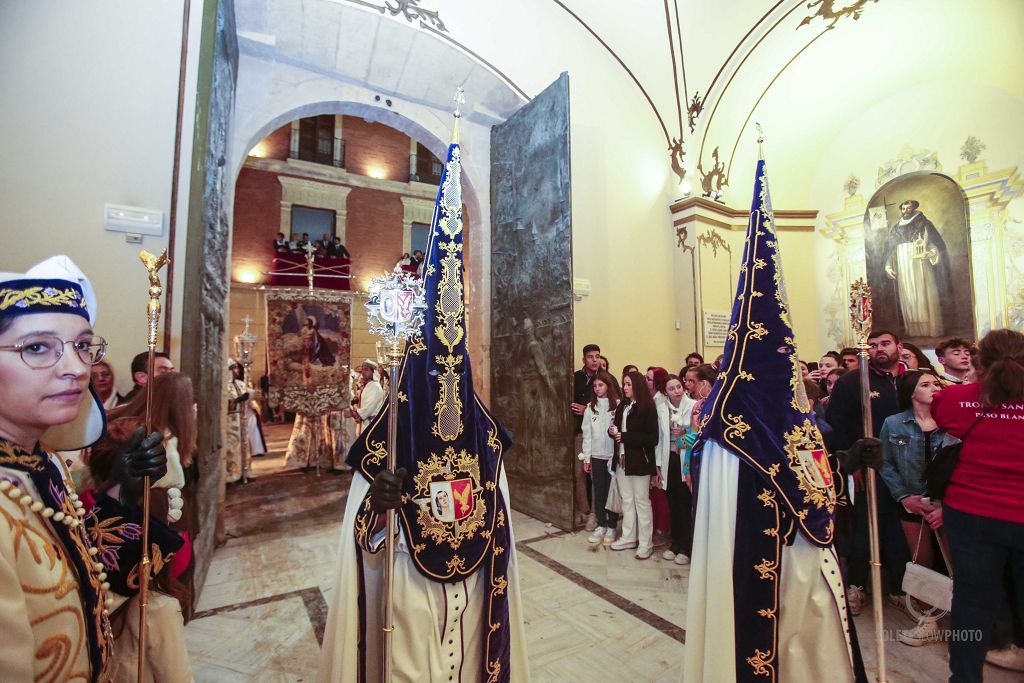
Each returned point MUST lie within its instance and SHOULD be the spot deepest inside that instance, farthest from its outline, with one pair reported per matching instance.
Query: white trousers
(637, 518)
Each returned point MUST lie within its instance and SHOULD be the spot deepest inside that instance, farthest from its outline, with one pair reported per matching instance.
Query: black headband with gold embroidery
(27, 296)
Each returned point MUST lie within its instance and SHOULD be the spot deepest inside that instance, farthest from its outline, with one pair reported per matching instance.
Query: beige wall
(708, 271)
(622, 232)
(89, 105)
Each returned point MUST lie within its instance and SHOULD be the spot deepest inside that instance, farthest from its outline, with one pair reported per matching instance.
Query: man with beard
(915, 257)
(844, 415)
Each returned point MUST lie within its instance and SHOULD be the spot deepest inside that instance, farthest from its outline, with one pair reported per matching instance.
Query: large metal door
(532, 302)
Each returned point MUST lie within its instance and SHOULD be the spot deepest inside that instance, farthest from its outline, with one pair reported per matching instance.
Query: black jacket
(336, 250)
(844, 412)
(582, 392)
(640, 439)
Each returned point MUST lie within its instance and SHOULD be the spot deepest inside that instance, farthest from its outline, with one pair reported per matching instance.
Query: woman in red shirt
(983, 511)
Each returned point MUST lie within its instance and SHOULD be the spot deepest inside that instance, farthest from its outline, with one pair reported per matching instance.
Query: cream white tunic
(813, 643)
(439, 628)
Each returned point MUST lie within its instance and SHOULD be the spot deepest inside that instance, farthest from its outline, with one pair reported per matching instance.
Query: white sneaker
(682, 559)
(856, 598)
(591, 522)
(609, 536)
(644, 553)
(623, 544)
(597, 536)
(1011, 657)
(926, 631)
(668, 555)
(900, 603)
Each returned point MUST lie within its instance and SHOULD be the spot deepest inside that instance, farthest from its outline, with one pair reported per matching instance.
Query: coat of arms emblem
(449, 496)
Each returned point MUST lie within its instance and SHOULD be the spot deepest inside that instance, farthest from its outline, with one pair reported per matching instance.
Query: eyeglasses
(45, 351)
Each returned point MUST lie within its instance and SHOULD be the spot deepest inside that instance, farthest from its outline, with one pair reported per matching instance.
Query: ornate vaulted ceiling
(702, 71)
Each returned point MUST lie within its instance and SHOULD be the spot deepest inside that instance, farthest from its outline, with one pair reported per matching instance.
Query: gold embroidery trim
(38, 296)
(448, 409)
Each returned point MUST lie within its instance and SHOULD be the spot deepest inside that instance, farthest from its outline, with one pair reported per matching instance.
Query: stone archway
(432, 129)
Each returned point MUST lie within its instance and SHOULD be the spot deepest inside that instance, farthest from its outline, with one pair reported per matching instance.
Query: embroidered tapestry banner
(309, 342)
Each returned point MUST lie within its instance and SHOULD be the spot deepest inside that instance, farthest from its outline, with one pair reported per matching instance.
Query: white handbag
(613, 503)
(928, 585)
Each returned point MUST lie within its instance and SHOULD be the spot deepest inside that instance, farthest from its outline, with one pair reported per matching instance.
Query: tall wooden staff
(860, 317)
(153, 265)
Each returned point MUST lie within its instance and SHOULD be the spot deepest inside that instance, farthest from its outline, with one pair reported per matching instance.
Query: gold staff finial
(153, 265)
(459, 99)
(860, 311)
(310, 268)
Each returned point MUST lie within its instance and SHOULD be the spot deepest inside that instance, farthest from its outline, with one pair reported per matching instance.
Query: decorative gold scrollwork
(448, 409)
(449, 307)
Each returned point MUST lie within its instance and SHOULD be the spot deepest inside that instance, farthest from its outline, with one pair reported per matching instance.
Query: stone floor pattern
(591, 614)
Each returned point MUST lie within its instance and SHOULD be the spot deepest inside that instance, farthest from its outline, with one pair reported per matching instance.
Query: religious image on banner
(917, 251)
(309, 345)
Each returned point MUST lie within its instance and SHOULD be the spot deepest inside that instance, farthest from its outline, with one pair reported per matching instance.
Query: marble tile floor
(591, 614)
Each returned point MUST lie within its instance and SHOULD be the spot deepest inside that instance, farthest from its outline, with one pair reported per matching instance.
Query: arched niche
(917, 257)
(995, 241)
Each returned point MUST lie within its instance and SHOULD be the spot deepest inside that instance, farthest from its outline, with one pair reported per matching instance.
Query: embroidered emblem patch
(815, 464)
(809, 461)
(451, 501)
(449, 495)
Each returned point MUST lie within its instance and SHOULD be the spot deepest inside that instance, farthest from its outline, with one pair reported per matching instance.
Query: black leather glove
(386, 490)
(139, 457)
(866, 452)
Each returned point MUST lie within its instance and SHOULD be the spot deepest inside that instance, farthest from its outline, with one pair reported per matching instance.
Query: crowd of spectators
(635, 436)
(327, 245)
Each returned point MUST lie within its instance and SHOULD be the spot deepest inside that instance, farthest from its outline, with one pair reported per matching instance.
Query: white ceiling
(775, 62)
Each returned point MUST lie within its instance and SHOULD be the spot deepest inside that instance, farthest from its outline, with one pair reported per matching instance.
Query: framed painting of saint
(917, 252)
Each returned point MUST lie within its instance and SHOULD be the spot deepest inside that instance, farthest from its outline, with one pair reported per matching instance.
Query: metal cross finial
(310, 255)
(459, 99)
(760, 140)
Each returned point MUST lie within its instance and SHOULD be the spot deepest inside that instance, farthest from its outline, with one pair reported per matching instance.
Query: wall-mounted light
(247, 275)
(133, 220)
(259, 151)
(375, 172)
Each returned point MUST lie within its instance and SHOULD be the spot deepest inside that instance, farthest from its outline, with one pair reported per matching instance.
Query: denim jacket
(903, 453)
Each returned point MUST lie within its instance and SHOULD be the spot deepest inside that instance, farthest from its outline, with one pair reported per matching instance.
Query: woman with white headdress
(55, 591)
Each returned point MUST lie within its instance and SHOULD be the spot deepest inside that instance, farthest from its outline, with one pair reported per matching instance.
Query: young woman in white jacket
(598, 448)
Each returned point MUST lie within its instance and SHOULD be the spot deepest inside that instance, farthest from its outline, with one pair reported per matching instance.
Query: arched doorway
(326, 177)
